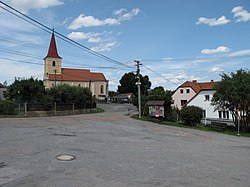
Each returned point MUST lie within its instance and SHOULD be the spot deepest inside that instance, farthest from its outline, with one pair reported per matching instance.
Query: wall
(177, 96)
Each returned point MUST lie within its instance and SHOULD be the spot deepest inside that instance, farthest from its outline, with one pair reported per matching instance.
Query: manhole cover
(65, 157)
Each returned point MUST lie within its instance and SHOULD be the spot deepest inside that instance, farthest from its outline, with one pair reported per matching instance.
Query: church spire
(52, 52)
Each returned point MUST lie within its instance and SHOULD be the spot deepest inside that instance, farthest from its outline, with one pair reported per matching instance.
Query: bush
(171, 115)
(191, 115)
(7, 107)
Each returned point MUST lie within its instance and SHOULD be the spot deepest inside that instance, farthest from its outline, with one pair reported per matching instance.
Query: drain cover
(65, 157)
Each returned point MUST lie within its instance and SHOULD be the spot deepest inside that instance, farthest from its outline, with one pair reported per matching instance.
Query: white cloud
(216, 69)
(90, 21)
(213, 21)
(220, 49)
(26, 5)
(105, 46)
(83, 36)
(241, 14)
(123, 14)
(240, 53)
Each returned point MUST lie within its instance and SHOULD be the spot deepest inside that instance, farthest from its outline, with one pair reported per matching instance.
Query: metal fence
(37, 109)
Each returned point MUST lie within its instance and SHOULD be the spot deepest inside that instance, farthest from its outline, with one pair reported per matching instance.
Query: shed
(156, 108)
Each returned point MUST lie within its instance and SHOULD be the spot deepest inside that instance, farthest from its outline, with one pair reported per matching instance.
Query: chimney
(195, 81)
(212, 80)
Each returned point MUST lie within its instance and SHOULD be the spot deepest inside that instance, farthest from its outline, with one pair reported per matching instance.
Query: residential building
(55, 74)
(200, 94)
(122, 98)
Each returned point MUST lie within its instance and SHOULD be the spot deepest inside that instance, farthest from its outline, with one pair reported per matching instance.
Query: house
(156, 108)
(2, 89)
(122, 98)
(185, 92)
(200, 94)
(55, 74)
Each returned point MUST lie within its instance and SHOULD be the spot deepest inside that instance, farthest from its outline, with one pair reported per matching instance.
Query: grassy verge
(98, 110)
(197, 127)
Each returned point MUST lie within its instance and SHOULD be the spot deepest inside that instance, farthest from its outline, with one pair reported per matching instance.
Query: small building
(156, 108)
(122, 98)
(2, 89)
(55, 74)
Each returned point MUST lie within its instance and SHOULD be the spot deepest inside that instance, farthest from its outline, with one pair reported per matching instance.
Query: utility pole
(138, 83)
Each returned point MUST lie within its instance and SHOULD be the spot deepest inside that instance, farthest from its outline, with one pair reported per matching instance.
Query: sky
(175, 40)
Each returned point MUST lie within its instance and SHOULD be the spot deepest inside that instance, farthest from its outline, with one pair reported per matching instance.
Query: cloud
(105, 46)
(83, 36)
(220, 49)
(240, 53)
(90, 21)
(26, 5)
(213, 21)
(123, 14)
(241, 14)
(216, 69)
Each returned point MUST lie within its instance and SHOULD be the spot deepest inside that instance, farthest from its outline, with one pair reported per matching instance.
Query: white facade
(182, 95)
(203, 100)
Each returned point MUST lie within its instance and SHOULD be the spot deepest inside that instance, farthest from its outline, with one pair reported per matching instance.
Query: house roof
(81, 75)
(155, 103)
(52, 52)
(197, 87)
(122, 96)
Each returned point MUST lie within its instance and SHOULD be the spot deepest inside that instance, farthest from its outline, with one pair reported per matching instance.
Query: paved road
(113, 150)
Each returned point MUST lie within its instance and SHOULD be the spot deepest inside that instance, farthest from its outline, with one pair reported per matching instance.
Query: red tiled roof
(52, 52)
(69, 74)
(197, 87)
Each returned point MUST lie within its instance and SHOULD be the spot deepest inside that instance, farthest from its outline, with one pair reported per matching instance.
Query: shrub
(191, 115)
(7, 107)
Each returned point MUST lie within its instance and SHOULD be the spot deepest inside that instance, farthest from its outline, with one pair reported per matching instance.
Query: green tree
(70, 94)
(28, 90)
(157, 94)
(128, 84)
(191, 115)
(233, 94)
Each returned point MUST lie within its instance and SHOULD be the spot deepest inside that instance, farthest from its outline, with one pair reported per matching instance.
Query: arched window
(53, 63)
(101, 89)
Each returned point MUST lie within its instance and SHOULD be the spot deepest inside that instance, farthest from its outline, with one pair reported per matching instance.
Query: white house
(203, 100)
(200, 94)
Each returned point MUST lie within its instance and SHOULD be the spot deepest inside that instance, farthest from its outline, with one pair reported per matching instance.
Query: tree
(28, 90)
(128, 84)
(191, 115)
(157, 94)
(70, 94)
(233, 94)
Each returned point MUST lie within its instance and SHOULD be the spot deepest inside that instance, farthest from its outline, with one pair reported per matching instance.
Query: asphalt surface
(113, 150)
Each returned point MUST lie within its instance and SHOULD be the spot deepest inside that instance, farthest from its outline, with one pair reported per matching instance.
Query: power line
(61, 36)
(160, 75)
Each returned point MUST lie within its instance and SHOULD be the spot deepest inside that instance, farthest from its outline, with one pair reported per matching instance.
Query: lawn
(202, 127)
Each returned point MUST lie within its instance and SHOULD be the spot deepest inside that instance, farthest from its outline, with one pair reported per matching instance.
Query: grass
(197, 127)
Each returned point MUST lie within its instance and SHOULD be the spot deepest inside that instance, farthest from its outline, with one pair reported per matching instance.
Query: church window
(53, 63)
(102, 89)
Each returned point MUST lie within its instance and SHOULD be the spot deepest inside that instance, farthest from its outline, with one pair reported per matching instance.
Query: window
(187, 90)
(204, 113)
(181, 91)
(224, 114)
(53, 63)
(183, 102)
(101, 89)
(206, 97)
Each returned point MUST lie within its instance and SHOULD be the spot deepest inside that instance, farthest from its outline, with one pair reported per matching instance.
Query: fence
(35, 109)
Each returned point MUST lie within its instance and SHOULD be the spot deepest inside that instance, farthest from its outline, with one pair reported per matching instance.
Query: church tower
(52, 62)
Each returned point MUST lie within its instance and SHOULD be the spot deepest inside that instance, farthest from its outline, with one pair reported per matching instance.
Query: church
(55, 74)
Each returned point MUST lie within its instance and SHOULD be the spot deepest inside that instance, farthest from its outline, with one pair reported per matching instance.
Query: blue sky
(178, 40)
